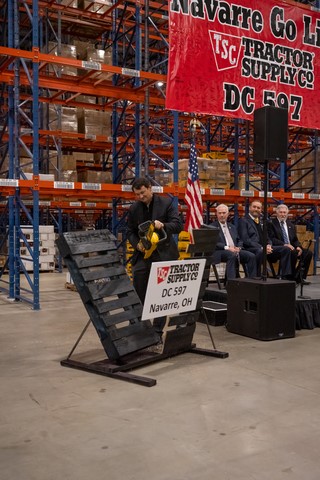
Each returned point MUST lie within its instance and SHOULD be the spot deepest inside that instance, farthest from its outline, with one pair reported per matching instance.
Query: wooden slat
(102, 272)
(88, 237)
(136, 341)
(93, 247)
(132, 329)
(119, 302)
(133, 314)
(188, 318)
(115, 287)
(124, 316)
(69, 244)
(178, 339)
(96, 260)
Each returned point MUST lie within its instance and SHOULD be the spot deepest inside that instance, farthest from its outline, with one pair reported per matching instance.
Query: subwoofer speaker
(270, 134)
(264, 310)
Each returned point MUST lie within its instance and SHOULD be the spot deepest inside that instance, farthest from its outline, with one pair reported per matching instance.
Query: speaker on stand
(270, 135)
(261, 309)
(270, 144)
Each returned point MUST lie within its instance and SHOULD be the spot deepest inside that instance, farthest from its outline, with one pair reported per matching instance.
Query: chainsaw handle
(145, 234)
(162, 235)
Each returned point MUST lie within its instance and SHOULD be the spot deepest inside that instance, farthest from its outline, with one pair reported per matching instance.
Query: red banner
(230, 58)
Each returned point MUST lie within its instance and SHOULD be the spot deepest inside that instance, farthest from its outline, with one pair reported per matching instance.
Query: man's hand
(140, 247)
(299, 250)
(289, 246)
(158, 225)
(269, 249)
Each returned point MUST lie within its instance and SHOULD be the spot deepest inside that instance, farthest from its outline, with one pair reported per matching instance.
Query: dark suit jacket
(164, 211)
(234, 235)
(274, 232)
(248, 232)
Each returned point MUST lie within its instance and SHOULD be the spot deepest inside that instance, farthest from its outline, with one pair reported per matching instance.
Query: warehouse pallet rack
(144, 136)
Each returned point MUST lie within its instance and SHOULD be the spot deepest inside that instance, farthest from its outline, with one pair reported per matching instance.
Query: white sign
(173, 287)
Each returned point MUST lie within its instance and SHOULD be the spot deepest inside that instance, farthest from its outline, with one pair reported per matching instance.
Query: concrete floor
(252, 416)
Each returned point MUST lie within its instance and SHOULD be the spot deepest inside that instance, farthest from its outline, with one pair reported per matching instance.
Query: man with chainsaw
(152, 220)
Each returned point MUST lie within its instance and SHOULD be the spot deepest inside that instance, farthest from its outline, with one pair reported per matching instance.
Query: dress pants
(231, 259)
(248, 261)
(141, 272)
(303, 263)
(283, 254)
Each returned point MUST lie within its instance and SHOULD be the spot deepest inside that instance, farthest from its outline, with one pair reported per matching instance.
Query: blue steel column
(35, 115)
(11, 248)
(208, 128)
(315, 208)
(16, 134)
(175, 151)
(147, 99)
(60, 269)
(316, 236)
(137, 84)
(283, 176)
(115, 119)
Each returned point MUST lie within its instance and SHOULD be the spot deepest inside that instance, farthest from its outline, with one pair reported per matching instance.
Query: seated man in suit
(283, 232)
(229, 247)
(251, 234)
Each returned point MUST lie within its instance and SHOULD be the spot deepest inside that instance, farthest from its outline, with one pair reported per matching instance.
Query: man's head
(255, 209)
(222, 213)
(282, 212)
(142, 189)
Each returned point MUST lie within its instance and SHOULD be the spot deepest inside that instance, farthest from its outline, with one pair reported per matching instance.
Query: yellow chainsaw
(150, 237)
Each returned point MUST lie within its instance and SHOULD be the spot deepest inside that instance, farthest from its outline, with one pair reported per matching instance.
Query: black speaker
(270, 134)
(260, 309)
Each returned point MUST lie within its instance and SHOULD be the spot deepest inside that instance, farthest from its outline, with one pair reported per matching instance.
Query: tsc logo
(162, 273)
(226, 49)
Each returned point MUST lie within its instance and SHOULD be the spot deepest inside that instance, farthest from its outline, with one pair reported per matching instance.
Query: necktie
(259, 229)
(284, 233)
(227, 235)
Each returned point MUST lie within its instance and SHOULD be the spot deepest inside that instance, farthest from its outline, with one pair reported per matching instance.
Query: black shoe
(288, 277)
(303, 282)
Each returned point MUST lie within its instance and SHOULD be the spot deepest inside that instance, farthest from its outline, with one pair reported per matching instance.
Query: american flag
(192, 197)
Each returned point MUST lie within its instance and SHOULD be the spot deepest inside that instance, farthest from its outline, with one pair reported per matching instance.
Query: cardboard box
(69, 119)
(93, 176)
(98, 6)
(94, 122)
(64, 50)
(255, 182)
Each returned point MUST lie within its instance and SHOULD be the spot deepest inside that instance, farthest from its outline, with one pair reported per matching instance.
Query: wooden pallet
(115, 311)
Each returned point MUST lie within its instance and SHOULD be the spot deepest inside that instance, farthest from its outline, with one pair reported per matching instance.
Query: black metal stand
(265, 219)
(301, 274)
(214, 352)
(175, 342)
